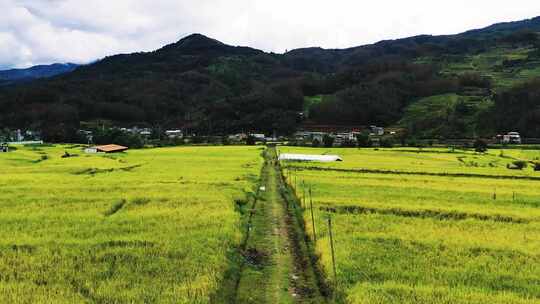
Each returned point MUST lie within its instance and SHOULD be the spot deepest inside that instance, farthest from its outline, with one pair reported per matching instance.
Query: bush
(387, 142)
(413, 142)
(347, 143)
(251, 140)
(315, 143)
(480, 146)
(328, 141)
(536, 166)
(364, 140)
(518, 165)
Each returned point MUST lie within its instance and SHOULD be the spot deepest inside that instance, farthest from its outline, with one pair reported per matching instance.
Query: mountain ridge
(202, 84)
(36, 72)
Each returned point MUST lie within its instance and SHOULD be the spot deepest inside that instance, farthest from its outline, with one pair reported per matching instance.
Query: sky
(47, 31)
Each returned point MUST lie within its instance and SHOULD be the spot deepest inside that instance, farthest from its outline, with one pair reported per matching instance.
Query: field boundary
(228, 291)
(435, 214)
(395, 172)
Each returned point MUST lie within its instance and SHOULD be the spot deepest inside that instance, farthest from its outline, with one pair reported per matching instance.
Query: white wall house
(174, 133)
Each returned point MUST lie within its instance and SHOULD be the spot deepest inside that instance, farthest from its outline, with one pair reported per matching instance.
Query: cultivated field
(429, 226)
(146, 226)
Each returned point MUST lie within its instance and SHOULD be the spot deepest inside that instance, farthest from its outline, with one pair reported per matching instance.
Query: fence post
(295, 182)
(312, 217)
(332, 248)
(303, 193)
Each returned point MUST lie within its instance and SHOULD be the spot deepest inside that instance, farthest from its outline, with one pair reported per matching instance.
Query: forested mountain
(471, 84)
(39, 71)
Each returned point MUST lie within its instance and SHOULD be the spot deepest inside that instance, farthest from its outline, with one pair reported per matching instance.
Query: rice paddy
(425, 226)
(430, 225)
(146, 226)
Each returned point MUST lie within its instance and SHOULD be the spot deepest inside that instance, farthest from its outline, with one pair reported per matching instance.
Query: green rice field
(425, 225)
(145, 226)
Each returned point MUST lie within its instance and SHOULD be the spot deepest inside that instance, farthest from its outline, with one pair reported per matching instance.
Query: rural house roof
(111, 148)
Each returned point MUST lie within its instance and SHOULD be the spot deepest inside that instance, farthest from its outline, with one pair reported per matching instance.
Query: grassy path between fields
(277, 265)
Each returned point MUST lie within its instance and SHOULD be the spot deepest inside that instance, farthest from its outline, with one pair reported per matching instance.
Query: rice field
(426, 226)
(146, 226)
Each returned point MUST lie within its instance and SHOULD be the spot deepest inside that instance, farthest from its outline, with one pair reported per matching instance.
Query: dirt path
(278, 267)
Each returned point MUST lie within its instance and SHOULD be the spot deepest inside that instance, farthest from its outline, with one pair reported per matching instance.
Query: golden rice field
(146, 226)
(426, 226)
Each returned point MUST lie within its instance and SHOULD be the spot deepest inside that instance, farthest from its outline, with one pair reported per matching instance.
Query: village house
(106, 149)
(510, 138)
(238, 137)
(376, 131)
(174, 133)
(258, 136)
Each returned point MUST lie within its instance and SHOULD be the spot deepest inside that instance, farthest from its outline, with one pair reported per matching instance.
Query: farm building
(310, 158)
(106, 149)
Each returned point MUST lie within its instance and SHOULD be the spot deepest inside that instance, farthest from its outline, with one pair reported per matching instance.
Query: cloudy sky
(46, 31)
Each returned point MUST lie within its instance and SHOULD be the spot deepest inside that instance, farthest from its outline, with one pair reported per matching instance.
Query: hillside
(208, 87)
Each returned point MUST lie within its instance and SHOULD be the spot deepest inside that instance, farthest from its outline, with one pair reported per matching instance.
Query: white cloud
(46, 31)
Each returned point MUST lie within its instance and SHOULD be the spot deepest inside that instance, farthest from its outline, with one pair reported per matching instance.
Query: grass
(146, 226)
(490, 64)
(413, 238)
(439, 115)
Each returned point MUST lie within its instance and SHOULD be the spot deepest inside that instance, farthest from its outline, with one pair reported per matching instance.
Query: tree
(480, 146)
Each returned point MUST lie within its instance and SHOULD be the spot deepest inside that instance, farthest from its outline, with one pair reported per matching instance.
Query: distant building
(238, 137)
(510, 138)
(106, 149)
(174, 133)
(376, 131)
(258, 136)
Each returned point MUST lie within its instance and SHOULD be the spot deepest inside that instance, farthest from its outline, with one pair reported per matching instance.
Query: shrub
(519, 164)
(536, 166)
(315, 143)
(347, 143)
(413, 142)
(328, 141)
(364, 140)
(480, 146)
(387, 142)
(251, 140)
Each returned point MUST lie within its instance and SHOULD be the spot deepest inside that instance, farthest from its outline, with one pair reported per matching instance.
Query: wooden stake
(303, 194)
(332, 248)
(312, 217)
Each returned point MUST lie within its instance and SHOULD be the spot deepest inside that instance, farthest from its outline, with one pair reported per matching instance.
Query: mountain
(464, 85)
(35, 72)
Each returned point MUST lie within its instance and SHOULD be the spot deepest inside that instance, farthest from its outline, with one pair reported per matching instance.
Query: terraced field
(146, 226)
(426, 226)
